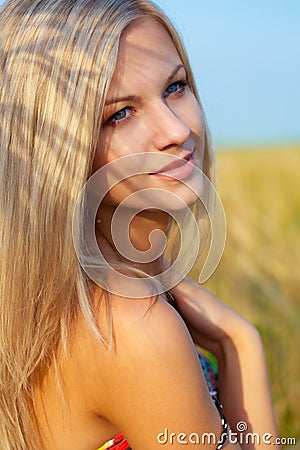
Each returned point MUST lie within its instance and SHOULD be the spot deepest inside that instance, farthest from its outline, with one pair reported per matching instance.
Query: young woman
(85, 83)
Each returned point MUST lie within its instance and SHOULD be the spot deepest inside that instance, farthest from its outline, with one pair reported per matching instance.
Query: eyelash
(181, 83)
(114, 123)
(111, 121)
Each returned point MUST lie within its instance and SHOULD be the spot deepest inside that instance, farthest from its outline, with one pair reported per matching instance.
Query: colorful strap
(117, 443)
(224, 434)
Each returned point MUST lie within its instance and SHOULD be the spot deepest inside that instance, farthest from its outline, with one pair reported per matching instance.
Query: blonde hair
(57, 58)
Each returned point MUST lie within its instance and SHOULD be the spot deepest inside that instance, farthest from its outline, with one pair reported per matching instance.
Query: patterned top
(117, 443)
(211, 377)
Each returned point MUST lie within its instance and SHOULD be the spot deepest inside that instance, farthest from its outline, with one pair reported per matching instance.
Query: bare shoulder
(150, 382)
(140, 329)
(151, 379)
(151, 319)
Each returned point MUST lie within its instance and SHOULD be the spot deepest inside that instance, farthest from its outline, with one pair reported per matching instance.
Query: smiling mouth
(177, 170)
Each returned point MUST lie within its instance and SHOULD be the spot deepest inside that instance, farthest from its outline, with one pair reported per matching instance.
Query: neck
(139, 228)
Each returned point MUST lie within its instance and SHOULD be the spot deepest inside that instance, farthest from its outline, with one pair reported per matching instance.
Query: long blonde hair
(57, 58)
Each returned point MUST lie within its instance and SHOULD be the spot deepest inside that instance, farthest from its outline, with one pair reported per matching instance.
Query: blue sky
(246, 60)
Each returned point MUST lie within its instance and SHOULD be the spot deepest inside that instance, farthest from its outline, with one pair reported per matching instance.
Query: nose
(168, 128)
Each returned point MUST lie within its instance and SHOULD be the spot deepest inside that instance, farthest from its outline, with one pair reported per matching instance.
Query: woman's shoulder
(148, 379)
(131, 327)
(136, 333)
(150, 376)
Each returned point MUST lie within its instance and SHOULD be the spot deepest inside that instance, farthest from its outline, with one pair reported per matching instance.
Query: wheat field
(259, 274)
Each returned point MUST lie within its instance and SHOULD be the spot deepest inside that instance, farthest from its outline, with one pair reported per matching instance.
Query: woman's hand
(212, 324)
(243, 381)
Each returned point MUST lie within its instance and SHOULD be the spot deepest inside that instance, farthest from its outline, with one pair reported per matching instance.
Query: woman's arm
(243, 381)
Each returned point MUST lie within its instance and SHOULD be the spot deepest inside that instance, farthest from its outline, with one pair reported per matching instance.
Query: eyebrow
(132, 98)
(174, 72)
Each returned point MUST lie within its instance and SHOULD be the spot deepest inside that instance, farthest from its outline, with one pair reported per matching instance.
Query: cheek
(194, 117)
(195, 121)
(109, 148)
(119, 142)
(121, 163)
(99, 159)
(191, 115)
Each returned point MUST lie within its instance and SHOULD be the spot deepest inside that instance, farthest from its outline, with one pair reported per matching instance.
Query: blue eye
(120, 115)
(178, 86)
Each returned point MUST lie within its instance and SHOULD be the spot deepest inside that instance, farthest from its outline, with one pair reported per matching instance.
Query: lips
(177, 170)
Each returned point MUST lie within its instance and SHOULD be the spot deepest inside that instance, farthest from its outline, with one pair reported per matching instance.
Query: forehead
(145, 46)
(146, 35)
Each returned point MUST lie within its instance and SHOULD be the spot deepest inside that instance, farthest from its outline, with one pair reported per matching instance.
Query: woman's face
(150, 109)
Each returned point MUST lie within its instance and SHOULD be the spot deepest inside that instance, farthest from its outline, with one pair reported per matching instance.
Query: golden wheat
(259, 275)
